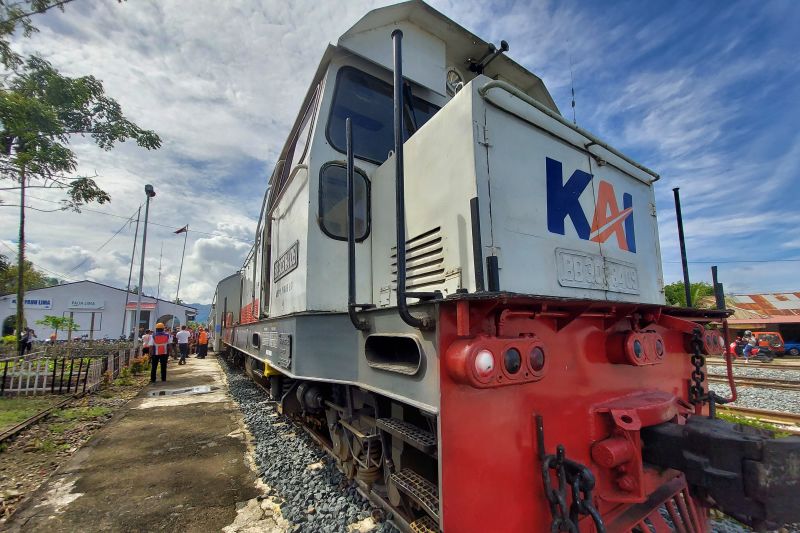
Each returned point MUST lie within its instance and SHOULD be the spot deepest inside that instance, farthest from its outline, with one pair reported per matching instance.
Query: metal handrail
(541, 107)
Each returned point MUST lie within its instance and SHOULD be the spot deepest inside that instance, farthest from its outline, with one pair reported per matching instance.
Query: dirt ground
(171, 462)
(33, 455)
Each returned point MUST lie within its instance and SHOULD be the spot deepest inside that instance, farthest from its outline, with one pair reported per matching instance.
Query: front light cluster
(713, 342)
(638, 348)
(492, 362)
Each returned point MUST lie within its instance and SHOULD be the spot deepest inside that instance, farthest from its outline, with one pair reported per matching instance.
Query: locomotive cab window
(333, 202)
(368, 102)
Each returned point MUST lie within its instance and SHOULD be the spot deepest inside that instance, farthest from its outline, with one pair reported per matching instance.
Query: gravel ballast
(313, 495)
(752, 370)
(760, 397)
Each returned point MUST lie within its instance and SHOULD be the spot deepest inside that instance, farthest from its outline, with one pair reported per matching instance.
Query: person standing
(26, 341)
(202, 343)
(174, 343)
(146, 342)
(159, 344)
(183, 344)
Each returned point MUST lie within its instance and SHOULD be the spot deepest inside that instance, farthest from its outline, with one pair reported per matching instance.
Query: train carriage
(459, 293)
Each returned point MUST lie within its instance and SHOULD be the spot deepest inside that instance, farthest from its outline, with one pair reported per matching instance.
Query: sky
(705, 93)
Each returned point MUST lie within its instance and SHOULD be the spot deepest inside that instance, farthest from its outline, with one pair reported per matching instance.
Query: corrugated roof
(765, 307)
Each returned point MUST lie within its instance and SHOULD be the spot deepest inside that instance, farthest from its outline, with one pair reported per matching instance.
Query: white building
(98, 309)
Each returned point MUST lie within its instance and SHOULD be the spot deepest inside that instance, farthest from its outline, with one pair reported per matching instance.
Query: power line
(127, 222)
(733, 261)
(150, 223)
(59, 274)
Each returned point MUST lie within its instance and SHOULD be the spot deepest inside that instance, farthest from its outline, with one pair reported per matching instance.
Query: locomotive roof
(459, 41)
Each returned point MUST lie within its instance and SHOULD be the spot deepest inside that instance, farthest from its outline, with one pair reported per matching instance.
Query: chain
(697, 393)
(569, 475)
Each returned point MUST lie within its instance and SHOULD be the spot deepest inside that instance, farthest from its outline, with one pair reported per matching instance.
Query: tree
(17, 15)
(33, 279)
(56, 323)
(675, 294)
(40, 112)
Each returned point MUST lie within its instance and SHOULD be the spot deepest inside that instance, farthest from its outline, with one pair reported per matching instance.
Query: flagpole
(183, 254)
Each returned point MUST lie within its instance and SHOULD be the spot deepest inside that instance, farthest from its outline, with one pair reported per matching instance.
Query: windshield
(368, 102)
(771, 338)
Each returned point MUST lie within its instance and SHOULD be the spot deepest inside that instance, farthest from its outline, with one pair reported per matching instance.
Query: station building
(97, 309)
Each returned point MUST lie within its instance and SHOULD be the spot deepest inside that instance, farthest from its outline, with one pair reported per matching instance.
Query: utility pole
(160, 257)
(130, 274)
(185, 231)
(148, 190)
(687, 287)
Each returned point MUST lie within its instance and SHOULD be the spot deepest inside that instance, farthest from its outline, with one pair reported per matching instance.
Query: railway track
(785, 384)
(793, 365)
(790, 422)
(33, 419)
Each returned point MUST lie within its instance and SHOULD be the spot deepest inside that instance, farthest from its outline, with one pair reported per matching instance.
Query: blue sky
(705, 93)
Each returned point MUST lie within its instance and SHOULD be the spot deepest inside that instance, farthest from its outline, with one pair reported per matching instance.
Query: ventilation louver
(424, 261)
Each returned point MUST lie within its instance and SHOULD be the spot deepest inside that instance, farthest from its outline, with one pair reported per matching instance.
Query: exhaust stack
(400, 202)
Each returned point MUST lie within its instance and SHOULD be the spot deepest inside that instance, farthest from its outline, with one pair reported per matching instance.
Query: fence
(64, 370)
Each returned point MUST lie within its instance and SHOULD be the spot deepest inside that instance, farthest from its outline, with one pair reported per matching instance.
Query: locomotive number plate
(279, 348)
(286, 262)
(593, 271)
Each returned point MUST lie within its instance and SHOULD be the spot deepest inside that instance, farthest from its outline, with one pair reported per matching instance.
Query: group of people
(163, 342)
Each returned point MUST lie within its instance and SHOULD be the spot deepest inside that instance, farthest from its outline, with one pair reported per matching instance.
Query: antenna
(572, 86)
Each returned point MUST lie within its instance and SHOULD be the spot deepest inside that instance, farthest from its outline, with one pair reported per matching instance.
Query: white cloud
(221, 83)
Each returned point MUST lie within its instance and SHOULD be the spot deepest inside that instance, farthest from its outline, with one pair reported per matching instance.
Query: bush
(125, 378)
(140, 364)
(9, 339)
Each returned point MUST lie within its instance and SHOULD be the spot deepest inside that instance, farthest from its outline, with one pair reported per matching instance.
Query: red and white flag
(183, 229)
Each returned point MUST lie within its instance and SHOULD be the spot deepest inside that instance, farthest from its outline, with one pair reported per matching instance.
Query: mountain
(203, 310)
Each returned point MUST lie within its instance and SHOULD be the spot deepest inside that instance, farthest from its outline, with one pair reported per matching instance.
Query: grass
(49, 445)
(747, 421)
(81, 413)
(15, 410)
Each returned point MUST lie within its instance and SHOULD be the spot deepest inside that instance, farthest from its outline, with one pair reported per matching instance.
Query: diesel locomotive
(459, 294)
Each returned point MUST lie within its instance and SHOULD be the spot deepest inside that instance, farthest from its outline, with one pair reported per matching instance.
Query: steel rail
(756, 364)
(746, 381)
(35, 418)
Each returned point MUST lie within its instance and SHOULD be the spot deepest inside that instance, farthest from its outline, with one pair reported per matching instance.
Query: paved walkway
(165, 463)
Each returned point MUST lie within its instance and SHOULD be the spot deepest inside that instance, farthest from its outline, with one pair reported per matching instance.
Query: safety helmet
(160, 325)
(748, 332)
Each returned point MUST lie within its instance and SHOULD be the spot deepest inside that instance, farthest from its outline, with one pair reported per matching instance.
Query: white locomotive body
(527, 281)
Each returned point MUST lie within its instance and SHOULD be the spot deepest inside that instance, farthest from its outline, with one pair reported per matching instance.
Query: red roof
(765, 308)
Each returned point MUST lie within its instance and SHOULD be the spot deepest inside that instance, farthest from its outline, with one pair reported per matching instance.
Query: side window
(333, 202)
(368, 102)
(298, 147)
(303, 135)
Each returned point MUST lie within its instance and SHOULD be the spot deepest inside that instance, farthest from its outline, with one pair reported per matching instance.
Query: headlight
(484, 364)
(454, 81)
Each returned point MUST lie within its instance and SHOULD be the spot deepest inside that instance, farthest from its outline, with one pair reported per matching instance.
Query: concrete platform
(172, 462)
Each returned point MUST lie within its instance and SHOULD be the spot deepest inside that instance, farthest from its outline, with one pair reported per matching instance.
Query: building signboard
(86, 303)
(33, 303)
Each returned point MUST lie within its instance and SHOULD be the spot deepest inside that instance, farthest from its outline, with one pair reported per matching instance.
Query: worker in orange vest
(202, 343)
(159, 352)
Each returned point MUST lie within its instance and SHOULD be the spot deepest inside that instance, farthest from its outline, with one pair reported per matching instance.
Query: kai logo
(608, 219)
